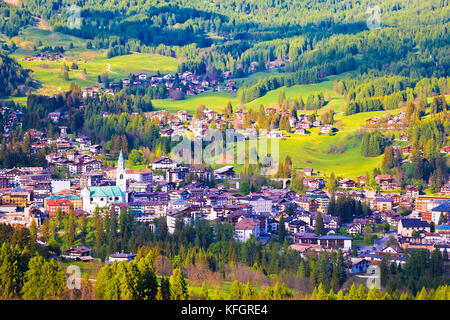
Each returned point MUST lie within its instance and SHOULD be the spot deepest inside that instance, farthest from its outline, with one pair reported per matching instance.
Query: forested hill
(312, 38)
(12, 75)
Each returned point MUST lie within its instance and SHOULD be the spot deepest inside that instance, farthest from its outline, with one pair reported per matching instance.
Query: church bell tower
(121, 180)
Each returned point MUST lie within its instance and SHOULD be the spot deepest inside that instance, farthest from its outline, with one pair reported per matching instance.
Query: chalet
(304, 124)
(166, 132)
(362, 180)
(393, 251)
(372, 121)
(391, 217)
(355, 229)
(379, 179)
(347, 183)
(164, 163)
(445, 189)
(317, 123)
(300, 131)
(96, 149)
(182, 115)
(327, 129)
(383, 203)
(54, 116)
(78, 253)
(314, 183)
(226, 172)
(306, 203)
(412, 191)
(119, 257)
(359, 265)
(274, 134)
(407, 149)
(294, 225)
(445, 149)
(142, 76)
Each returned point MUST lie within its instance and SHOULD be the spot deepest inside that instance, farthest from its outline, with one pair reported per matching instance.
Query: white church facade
(101, 196)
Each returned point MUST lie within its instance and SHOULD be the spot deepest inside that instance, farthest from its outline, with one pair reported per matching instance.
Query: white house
(164, 163)
(246, 228)
(260, 204)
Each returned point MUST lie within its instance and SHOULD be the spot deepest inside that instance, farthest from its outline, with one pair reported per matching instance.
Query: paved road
(381, 243)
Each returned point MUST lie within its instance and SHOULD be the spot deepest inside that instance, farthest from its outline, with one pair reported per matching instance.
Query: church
(103, 196)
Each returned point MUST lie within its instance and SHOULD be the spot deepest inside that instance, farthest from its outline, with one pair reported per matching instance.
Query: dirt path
(109, 69)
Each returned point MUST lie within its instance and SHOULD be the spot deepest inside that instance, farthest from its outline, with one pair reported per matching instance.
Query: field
(50, 74)
(218, 100)
(312, 151)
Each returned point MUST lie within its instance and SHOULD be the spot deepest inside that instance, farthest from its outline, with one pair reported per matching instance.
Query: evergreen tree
(178, 286)
(236, 291)
(319, 227)
(43, 280)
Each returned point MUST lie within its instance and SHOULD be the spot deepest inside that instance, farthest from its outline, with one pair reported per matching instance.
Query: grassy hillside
(218, 100)
(50, 74)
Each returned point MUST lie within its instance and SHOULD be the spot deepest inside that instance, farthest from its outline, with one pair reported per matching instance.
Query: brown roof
(246, 224)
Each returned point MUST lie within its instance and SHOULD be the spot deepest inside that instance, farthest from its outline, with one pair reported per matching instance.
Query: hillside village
(403, 217)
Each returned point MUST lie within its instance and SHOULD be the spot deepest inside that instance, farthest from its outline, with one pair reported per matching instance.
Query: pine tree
(205, 291)
(43, 280)
(319, 228)
(165, 288)
(45, 230)
(374, 294)
(33, 230)
(362, 293)
(72, 230)
(332, 184)
(388, 158)
(422, 295)
(249, 292)
(218, 294)
(236, 291)
(353, 293)
(178, 286)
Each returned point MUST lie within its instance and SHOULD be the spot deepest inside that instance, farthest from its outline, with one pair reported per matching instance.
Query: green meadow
(218, 100)
(311, 151)
(50, 74)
